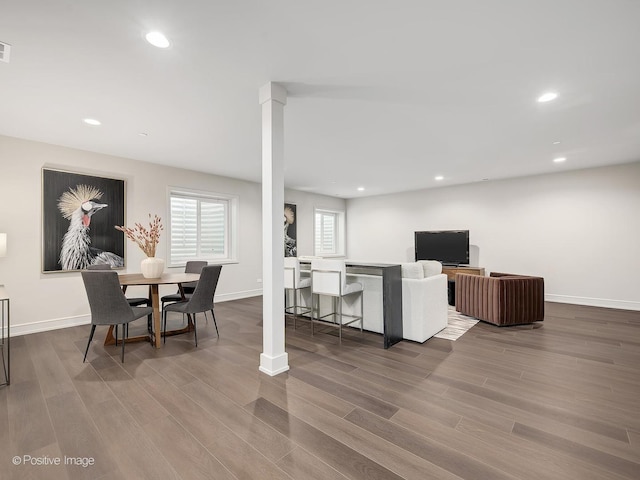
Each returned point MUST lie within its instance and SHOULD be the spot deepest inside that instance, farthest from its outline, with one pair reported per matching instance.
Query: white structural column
(273, 359)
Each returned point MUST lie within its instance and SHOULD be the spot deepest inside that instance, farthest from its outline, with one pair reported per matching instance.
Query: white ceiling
(382, 94)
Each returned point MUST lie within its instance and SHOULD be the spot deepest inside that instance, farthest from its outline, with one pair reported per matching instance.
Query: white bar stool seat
(329, 278)
(295, 283)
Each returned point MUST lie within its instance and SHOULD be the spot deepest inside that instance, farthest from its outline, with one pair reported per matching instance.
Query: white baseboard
(50, 324)
(225, 297)
(273, 366)
(57, 323)
(593, 302)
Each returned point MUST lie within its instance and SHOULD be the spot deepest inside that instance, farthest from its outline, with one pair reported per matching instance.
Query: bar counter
(382, 296)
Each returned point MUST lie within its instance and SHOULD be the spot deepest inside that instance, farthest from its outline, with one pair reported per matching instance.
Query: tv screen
(450, 247)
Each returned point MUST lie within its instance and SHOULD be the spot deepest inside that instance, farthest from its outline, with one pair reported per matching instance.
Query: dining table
(137, 279)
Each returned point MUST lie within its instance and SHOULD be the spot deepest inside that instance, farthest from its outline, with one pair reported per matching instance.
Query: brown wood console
(451, 271)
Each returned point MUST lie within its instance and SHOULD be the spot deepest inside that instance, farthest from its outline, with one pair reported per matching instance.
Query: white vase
(152, 267)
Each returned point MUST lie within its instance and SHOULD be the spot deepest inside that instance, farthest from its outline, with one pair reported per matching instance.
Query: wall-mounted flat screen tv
(450, 247)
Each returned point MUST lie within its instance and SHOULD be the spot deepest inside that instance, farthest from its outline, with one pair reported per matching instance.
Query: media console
(451, 271)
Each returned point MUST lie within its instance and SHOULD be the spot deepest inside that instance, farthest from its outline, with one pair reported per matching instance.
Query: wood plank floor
(555, 400)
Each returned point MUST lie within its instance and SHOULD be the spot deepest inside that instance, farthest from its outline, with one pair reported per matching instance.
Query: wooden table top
(165, 279)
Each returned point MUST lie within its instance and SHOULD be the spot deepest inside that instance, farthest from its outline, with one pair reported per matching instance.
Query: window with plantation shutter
(329, 233)
(201, 227)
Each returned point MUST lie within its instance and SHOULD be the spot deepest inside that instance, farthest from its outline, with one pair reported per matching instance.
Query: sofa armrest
(477, 296)
(501, 274)
(501, 299)
(522, 299)
(424, 307)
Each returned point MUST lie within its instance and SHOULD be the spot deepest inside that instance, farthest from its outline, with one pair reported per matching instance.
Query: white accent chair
(329, 278)
(293, 284)
(424, 300)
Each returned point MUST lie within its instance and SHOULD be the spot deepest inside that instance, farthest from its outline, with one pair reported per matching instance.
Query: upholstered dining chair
(295, 284)
(192, 266)
(200, 301)
(108, 304)
(329, 278)
(133, 301)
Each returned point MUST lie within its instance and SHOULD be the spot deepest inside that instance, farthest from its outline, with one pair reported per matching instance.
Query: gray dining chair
(201, 301)
(133, 301)
(192, 266)
(108, 304)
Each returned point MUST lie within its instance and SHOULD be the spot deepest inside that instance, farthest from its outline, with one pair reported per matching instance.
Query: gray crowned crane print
(78, 205)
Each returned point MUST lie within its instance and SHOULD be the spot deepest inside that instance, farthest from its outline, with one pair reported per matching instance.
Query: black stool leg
(164, 325)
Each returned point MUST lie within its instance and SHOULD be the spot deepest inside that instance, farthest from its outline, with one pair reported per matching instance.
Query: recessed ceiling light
(157, 39)
(361, 189)
(438, 177)
(559, 159)
(547, 97)
(92, 121)
(142, 134)
(557, 142)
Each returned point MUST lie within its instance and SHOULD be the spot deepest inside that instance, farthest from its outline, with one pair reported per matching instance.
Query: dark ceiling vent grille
(5, 49)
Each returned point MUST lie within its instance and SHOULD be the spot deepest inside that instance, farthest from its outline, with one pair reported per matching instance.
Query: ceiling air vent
(5, 49)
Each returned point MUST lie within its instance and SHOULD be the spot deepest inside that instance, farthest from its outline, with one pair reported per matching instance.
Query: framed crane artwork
(79, 215)
(290, 230)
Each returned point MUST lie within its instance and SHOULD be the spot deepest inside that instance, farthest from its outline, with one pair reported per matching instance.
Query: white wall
(305, 205)
(579, 230)
(42, 301)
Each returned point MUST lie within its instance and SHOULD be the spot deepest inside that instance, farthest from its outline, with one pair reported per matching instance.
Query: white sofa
(424, 300)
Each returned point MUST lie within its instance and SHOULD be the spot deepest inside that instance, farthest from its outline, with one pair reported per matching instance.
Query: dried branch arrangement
(146, 239)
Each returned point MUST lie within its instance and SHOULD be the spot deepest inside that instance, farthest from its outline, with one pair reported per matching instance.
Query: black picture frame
(290, 230)
(62, 192)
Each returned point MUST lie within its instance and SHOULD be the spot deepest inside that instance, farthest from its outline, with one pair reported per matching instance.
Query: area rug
(458, 325)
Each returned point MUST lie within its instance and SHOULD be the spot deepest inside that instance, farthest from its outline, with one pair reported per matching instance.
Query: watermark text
(46, 460)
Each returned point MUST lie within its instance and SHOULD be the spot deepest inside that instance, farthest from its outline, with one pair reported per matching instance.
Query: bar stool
(329, 277)
(293, 282)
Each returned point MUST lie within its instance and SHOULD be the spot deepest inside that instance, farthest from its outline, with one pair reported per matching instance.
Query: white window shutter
(199, 227)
